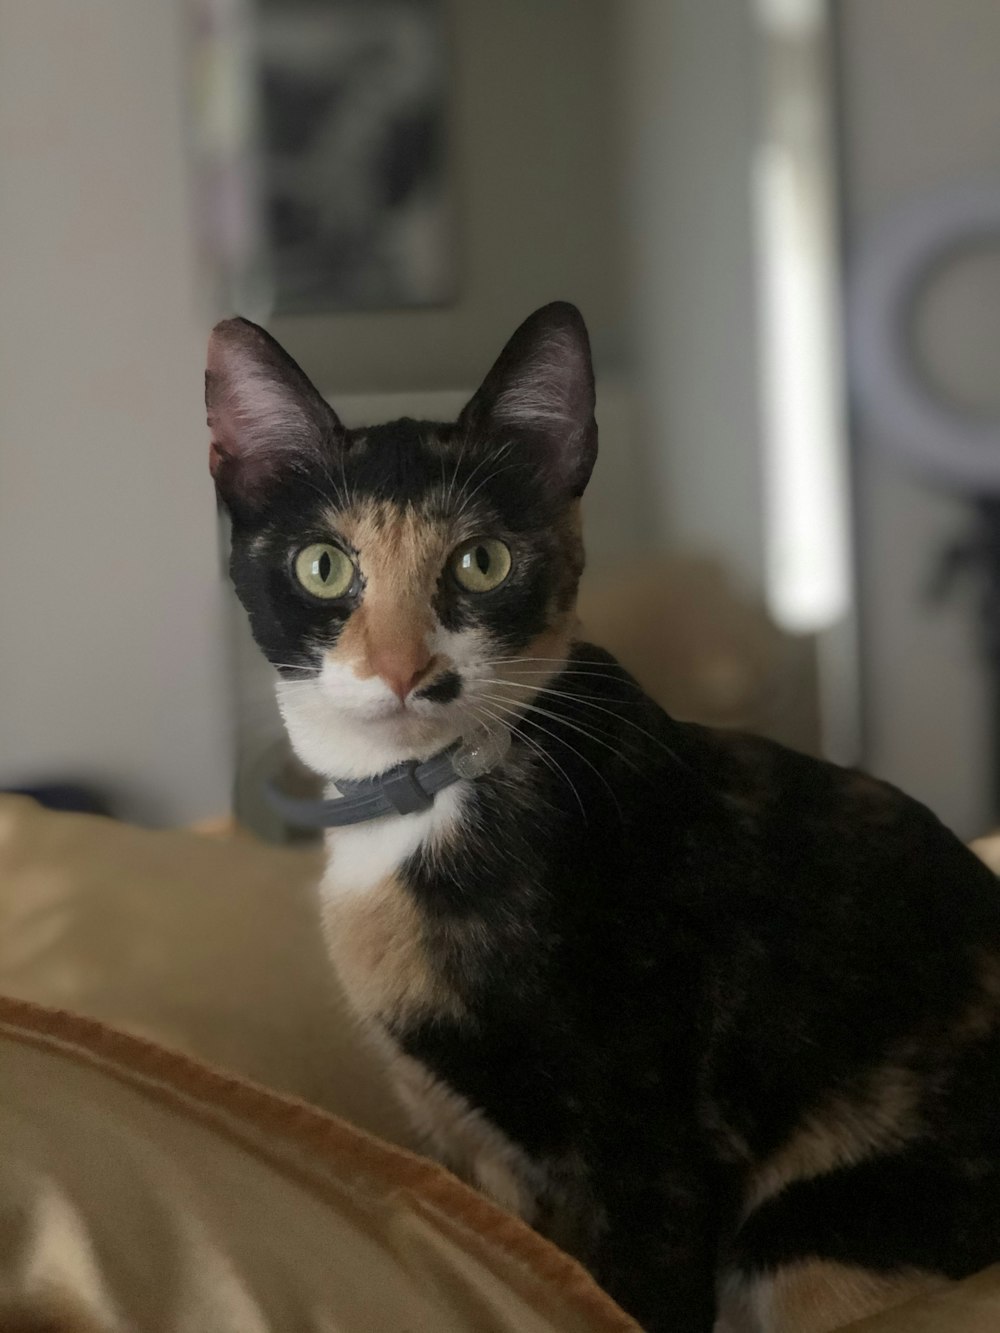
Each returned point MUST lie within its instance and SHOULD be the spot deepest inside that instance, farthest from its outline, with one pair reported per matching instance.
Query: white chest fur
(362, 856)
(374, 937)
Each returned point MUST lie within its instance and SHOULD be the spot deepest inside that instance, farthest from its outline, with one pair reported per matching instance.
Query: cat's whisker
(493, 457)
(592, 733)
(516, 712)
(482, 717)
(549, 674)
(459, 459)
(555, 661)
(302, 475)
(587, 703)
(485, 482)
(549, 760)
(464, 497)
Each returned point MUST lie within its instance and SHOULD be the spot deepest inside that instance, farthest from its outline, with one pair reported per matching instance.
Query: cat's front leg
(462, 1137)
(658, 1253)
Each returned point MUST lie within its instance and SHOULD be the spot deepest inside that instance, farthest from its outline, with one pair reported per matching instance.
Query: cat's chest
(389, 959)
(360, 857)
(390, 949)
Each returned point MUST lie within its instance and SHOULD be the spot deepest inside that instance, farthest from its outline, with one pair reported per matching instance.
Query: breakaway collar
(405, 789)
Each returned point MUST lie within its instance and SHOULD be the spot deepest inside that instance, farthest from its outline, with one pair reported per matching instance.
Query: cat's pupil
(325, 565)
(482, 559)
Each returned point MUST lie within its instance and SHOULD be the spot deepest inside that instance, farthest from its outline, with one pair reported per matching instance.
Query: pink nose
(403, 671)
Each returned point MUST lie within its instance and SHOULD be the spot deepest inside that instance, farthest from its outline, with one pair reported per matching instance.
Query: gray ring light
(920, 428)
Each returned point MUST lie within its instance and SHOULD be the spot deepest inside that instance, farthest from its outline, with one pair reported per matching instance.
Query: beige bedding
(142, 1189)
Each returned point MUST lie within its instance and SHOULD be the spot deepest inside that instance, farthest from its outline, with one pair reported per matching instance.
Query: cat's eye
(324, 570)
(481, 565)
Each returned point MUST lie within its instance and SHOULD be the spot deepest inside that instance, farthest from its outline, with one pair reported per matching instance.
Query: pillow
(210, 946)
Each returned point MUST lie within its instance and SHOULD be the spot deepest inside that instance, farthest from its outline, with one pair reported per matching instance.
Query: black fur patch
(670, 947)
(444, 690)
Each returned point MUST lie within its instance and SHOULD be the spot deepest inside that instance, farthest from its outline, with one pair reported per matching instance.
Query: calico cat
(720, 1019)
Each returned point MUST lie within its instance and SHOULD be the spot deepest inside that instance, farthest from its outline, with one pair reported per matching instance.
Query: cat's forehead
(411, 533)
(436, 470)
(399, 460)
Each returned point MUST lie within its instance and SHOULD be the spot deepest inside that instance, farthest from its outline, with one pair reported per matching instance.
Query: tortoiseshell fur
(721, 1019)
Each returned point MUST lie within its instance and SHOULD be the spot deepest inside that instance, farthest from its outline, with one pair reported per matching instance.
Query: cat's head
(414, 581)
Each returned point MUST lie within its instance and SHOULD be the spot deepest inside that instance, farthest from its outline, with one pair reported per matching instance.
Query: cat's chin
(346, 743)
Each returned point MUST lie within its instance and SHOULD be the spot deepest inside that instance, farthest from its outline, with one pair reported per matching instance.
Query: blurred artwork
(351, 106)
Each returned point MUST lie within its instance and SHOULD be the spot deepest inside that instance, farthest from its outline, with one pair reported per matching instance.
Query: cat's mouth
(343, 727)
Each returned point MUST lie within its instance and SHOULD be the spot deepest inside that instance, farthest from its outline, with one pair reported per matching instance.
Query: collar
(405, 789)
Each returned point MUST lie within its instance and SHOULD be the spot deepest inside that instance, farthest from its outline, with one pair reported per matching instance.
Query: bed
(195, 1136)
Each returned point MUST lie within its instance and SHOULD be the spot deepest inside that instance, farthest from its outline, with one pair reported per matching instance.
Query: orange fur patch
(841, 1133)
(376, 942)
(818, 1296)
(401, 553)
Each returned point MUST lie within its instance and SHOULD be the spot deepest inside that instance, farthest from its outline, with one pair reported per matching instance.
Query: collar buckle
(401, 788)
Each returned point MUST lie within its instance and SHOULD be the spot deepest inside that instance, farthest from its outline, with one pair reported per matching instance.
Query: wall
(922, 108)
(113, 660)
(111, 622)
(536, 194)
(688, 133)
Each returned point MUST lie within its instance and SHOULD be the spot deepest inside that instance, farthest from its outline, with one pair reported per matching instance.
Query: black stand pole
(979, 554)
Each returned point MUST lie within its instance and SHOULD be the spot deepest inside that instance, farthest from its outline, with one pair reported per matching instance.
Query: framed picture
(353, 110)
(326, 183)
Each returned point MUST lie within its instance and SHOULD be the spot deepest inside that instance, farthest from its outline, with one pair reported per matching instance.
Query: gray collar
(405, 789)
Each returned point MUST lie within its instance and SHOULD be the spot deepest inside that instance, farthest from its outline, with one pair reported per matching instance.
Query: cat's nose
(403, 670)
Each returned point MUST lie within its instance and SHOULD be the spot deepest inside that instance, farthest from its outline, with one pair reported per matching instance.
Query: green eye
(324, 570)
(481, 565)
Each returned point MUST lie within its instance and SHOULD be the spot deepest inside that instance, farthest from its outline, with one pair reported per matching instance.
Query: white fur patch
(739, 1305)
(459, 1135)
(345, 727)
(361, 856)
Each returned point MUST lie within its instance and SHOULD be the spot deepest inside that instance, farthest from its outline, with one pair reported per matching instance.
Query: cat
(720, 1019)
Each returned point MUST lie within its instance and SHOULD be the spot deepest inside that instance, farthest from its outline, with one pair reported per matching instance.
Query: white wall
(688, 132)
(922, 106)
(111, 632)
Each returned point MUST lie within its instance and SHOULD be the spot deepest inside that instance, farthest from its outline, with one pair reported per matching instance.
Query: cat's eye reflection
(481, 564)
(324, 570)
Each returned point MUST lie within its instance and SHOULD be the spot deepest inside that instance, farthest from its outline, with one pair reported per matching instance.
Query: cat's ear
(265, 415)
(541, 388)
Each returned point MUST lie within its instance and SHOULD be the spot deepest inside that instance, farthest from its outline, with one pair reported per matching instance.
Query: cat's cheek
(467, 649)
(364, 698)
(313, 728)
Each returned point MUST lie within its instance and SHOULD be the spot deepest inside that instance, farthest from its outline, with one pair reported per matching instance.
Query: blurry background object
(910, 403)
(353, 101)
(919, 110)
(224, 129)
(707, 653)
(808, 560)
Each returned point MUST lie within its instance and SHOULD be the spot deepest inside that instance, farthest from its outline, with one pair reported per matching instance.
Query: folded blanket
(141, 1190)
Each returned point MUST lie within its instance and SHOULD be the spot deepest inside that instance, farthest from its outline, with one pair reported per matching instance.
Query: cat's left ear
(266, 417)
(541, 389)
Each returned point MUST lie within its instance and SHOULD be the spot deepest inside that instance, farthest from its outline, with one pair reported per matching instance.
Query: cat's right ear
(266, 417)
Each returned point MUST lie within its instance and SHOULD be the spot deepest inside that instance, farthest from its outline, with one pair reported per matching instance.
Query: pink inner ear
(546, 393)
(262, 410)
